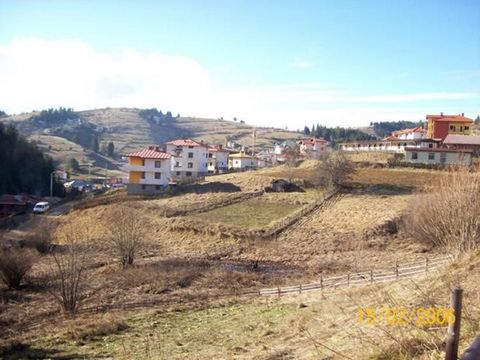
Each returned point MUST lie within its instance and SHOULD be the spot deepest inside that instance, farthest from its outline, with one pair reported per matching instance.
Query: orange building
(439, 126)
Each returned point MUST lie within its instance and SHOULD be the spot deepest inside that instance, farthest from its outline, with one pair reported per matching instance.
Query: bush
(448, 217)
(14, 265)
(336, 169)
(41, 239)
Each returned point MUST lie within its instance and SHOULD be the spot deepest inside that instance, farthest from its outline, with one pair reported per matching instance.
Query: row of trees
(151, 114)
(337, 134)
(23, 167)
(53, 117)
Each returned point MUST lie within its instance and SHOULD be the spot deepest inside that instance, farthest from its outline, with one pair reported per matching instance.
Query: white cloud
(36, 74)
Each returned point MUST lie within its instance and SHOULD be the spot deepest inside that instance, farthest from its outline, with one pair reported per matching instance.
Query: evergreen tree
(110, 149)
(23, 167)
(94, 145)
(477, 120)
(306, 130)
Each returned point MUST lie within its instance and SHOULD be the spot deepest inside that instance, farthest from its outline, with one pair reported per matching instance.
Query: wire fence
(361, 278)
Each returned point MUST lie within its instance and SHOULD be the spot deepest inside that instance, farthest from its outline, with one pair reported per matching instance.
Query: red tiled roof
(313, 140)
(449, 118)
(408, 131)
(216, 148)
(185, 142)
(150, 154)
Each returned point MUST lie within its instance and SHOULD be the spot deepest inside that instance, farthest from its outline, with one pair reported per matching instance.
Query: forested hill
(385, 128)
(24, 168)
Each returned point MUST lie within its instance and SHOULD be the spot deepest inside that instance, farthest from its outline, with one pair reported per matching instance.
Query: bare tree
(335, 169)
(14, 265)
(292, 155)
(71, 259)
(447, 217)
(126, 229)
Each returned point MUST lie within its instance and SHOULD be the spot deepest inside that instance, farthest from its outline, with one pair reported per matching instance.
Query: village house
(217, 159)
(438, 156)
(390, 145)
(149, 171)
(313, 148)
(440, 126)
(242, 161)
(462, 142)
(189, 159)
(408, 134)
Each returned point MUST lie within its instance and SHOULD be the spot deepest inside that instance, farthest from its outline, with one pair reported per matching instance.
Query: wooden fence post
(321, 283)
(396, 269)
(426, 264)
(453, 336)
(300, 289)
(348, 279)
(371, 276)
(279, 291)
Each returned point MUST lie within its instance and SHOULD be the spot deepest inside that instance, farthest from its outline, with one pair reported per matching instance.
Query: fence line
(361, 278)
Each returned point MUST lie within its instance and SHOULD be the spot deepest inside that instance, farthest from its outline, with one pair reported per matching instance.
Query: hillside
(128, 130)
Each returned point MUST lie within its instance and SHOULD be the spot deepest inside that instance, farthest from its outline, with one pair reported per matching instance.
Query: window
(430, 146)
(190, 147)
(178, 173)
(158, 163)
(143, 175)
(431, 156)
(190, 155)
(158, 187)
(210, 155)
(466, 128)
(143, 162)
(177, 164)
(206, 155)
(452, 127)
(443, 158)
(144, 186)
(158, 175)
(190, 165)
(414, 156)
(189, 173)
(211, 164)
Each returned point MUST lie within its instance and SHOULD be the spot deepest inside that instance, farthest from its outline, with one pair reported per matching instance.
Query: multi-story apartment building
(217, 159)
(189, 159)
(148, 171)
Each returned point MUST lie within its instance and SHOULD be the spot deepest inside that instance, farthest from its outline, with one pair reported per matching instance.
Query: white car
(41, 207)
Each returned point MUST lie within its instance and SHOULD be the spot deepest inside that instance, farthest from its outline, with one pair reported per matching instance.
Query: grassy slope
(304, 326)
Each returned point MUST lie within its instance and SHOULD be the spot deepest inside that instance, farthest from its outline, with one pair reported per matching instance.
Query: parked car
(41, 207)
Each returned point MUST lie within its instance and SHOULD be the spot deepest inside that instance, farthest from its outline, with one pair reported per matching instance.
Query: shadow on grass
(20, 350)
(379, 189)
(212, 187)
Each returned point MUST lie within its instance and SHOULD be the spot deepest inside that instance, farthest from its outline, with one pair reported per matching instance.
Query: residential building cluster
(152, 169)
(445, 140)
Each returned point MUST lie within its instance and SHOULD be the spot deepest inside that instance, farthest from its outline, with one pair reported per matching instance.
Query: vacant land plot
(249, 214)
(308, 326)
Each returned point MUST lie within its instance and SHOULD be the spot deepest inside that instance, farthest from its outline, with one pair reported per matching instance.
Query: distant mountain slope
(128, 130)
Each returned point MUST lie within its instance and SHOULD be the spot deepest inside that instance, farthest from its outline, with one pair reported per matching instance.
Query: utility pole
(51, 183)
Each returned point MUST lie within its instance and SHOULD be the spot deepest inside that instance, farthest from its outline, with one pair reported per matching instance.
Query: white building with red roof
(217, 159)
(189, 159)
(148, 171)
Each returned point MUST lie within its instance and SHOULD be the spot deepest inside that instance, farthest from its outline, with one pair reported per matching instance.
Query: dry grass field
(182, 297)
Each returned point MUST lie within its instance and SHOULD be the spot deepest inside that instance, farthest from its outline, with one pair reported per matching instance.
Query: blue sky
(282, 63)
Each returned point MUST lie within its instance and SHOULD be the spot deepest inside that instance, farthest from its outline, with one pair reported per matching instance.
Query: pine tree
(94, 144)
(110, 149)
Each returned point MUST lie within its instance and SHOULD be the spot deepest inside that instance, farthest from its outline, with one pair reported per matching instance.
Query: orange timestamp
(400, 315)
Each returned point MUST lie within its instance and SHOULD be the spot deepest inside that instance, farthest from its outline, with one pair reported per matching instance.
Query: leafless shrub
(41, 238)
(126, 229)
(107, 324)
(14, 265)
(448, 216)
(335, 169)
(292, 155)
(69, 281)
